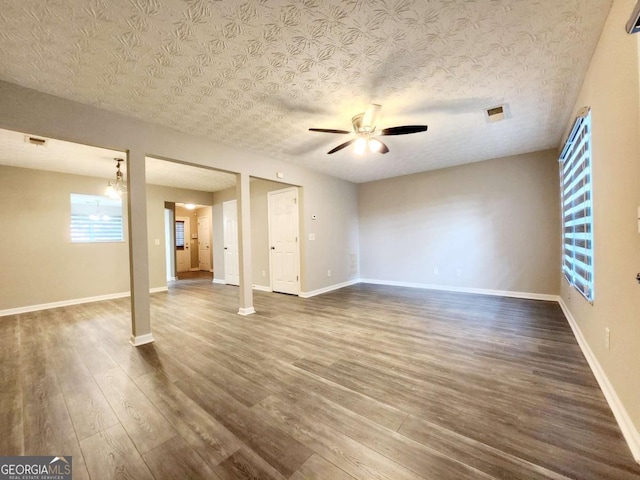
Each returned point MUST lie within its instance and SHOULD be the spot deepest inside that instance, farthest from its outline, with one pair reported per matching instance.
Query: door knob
(273, 248)
(225, 248)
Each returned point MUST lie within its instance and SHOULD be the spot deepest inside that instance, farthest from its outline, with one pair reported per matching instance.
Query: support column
(138, 249)
(243, 194)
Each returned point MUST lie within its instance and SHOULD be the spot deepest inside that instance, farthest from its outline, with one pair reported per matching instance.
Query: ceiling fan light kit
(364, 126)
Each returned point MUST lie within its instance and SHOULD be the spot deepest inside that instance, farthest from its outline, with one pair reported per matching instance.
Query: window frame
(576, 203)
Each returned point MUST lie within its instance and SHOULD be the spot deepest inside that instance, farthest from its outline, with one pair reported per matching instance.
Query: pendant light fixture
(118, 188)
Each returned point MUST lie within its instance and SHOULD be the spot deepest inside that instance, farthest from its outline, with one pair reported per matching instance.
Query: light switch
(312, 236)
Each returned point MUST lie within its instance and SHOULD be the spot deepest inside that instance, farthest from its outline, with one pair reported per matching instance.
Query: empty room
(355, 240)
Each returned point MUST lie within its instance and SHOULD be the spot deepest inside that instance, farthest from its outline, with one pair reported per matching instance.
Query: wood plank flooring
(365, 383)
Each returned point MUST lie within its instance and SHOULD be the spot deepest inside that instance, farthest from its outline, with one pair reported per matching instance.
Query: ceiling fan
(364, 126)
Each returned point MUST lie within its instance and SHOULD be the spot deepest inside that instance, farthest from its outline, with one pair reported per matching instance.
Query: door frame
(269, 195)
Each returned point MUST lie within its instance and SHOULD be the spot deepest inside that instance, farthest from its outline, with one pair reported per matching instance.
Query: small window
(577, 214)
(95, 218)
(179, 234)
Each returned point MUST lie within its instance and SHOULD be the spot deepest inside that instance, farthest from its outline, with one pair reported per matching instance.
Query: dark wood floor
(365, 383)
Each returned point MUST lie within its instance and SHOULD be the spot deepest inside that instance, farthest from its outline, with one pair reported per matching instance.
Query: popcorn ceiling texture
(257, 74)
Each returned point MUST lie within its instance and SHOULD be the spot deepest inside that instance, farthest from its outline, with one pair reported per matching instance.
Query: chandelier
(118, 188)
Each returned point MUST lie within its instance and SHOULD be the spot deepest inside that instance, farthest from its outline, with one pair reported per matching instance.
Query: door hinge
(297, 278)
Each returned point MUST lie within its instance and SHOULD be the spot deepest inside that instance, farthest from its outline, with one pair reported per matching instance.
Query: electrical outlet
(607, 338)
(436, 271)
(328, 273)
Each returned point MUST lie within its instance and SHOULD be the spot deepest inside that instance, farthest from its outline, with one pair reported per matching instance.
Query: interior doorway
(284, 249)
(183, 241)
(204, 244)
(189, 241)
(231, 250)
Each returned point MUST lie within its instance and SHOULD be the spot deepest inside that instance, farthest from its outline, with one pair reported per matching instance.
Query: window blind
(85, 229)
(179, 234)
(577, 215)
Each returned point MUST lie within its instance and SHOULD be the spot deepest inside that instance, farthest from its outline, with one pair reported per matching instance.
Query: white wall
(611, 89)
(491, 225)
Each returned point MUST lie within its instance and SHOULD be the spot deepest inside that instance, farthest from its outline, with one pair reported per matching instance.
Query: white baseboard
(73, 301)
(479, 291)
(136, 341)
(219, 281)
(629, 431)
(262, 288)
(330, 288)
(246, 311)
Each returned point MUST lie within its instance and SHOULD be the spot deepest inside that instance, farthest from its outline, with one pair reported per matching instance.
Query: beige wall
(39, 264)
(611, 89)
(488, 225)
(37, 113)
(43, 266)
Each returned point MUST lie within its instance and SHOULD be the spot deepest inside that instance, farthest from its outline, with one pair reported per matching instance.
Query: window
(179, 234)
(576, 197)
(95, 218)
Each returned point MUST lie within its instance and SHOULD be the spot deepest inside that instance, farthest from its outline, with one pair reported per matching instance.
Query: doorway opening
(193, 235)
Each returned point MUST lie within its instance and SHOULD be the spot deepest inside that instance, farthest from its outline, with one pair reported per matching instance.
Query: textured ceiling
(67, 157)
(257, 74)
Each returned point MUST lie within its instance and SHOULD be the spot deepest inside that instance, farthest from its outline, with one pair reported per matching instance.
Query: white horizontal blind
(95, 218)
(577, 215)
(179, 234)
(85, 229)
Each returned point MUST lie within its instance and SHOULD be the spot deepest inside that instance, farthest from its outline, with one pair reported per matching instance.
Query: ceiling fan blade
(328, 130)
(383, 148)
(341, 146)
(404, 130)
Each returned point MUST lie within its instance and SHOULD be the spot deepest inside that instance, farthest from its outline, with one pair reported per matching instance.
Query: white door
(231, 260)
(204, 247)
(284, 258)
(183, 239)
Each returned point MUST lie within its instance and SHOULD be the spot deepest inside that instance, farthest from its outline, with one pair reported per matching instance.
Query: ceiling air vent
(495, 114)
(35, 140)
